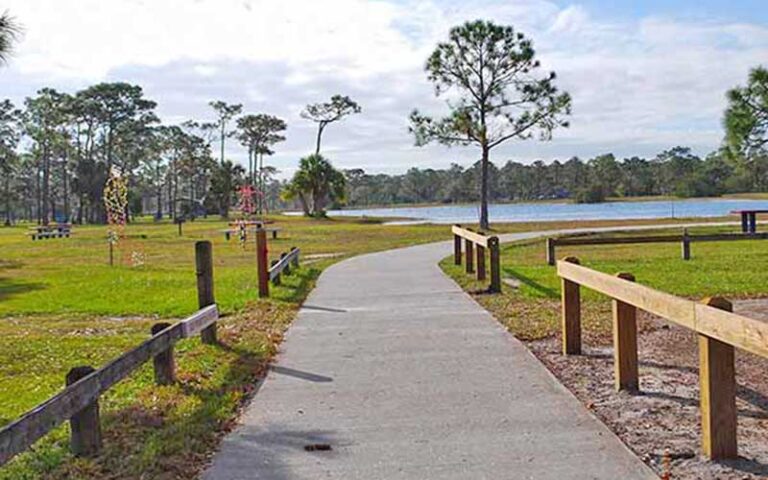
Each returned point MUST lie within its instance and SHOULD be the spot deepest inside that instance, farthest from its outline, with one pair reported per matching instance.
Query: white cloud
(639, 85)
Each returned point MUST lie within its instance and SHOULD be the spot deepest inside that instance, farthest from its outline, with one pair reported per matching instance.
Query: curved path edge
(391, 371)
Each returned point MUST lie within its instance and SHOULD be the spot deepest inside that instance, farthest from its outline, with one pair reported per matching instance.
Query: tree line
(676, 172)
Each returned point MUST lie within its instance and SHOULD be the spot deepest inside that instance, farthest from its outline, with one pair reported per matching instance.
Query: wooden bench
(50, 231)
(234, 231)
(748, 219)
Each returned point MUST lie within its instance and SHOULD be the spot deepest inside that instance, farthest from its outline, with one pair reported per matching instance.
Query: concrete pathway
(405, 377)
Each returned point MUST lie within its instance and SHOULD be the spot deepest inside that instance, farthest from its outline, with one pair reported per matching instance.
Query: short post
(165, 366)
(287, 269)
(469, 249)
(480, 262)
(752, 222)
(274, 234)
(205, 296)
(85, 426)
(262, 263)
(276, 280)
(495, 257)
(456, 248)
(744, 223)
(571, 312)
(295, 260)
(717, 380)
(625, 343)
(551, 242)
(111, 253)
(686, 245)
(179, 224)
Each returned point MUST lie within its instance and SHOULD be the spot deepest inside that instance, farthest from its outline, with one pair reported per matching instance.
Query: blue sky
(644, 75)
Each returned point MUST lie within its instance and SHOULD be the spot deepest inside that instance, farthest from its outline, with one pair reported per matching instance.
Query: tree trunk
(8, 200)
(320, 128)
(484, 224)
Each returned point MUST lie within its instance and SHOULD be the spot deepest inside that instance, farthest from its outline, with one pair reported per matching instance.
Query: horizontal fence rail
(719, 332)
(78, 402)
(481, 242)
(20, 434)
(685, 240)
(284, 264)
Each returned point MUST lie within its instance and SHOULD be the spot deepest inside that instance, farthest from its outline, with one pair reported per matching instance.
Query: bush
(591, 194)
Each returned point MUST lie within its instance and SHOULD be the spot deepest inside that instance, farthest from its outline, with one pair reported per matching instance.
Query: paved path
(406, 377)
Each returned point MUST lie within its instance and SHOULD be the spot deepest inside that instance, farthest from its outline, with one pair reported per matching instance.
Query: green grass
(61, 305)
(734, 269)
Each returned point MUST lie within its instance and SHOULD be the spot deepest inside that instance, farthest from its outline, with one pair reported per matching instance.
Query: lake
(526, 212)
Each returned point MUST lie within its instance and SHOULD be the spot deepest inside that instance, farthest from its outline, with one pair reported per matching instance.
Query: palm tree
(9, 32)
(315, 184)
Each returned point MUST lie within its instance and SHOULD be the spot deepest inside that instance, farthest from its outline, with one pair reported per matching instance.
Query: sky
(644, 75)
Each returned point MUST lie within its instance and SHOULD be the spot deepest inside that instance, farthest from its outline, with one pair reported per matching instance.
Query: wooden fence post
(295, 260)
(85, 426)
(686, 245)
(625, 343)
(571, 312)
(717, 380)
(262, 263)
(495, 257)
(457, 248)
(205, 296)
(287, 269)
(469, 248)
(551, 242)
(276, 280)
(480, 262)
(165, 367)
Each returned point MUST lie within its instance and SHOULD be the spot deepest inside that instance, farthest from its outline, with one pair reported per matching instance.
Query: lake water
(526, 212)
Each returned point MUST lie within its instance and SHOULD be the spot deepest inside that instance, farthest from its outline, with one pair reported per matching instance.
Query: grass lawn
(532, 311)
(61, 305)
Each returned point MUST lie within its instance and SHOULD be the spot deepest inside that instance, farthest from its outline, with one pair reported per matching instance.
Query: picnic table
(235, 231)
(748, 219)
(58, 230)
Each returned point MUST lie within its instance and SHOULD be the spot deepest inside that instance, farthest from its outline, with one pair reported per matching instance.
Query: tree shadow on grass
(11, 288)
(296, 293)
(528, 281)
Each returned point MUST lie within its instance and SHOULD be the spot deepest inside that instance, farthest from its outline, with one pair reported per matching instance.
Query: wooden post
(179, 223)
(625, 343)
(295, 260)
(85, 426)
(752, 222)
(686, 245)
(480, 262)
(287, 269)
(262, 263)
(457, 248)
(165, 366)
(717, 380)
(571, 312)
(111, 253)
(551, 242)
(205, 296)
(276, 280)
(495, 257)
(744, 223)
(469, 249)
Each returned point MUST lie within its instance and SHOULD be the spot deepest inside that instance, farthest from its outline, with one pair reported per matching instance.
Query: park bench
(748, 220)
(234, 231)
(50, 231)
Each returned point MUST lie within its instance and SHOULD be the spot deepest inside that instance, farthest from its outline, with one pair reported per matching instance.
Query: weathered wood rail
(719, 332)
(79, 401)
(481, 242)
(272, 272)
(685, 240)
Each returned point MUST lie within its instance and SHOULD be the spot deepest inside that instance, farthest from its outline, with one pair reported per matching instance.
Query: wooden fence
(719, 332)
(273, 273)
(79, 401)
(482, 242)
(684, 240)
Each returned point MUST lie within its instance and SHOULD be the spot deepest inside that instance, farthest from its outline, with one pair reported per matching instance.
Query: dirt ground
(665, 415)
